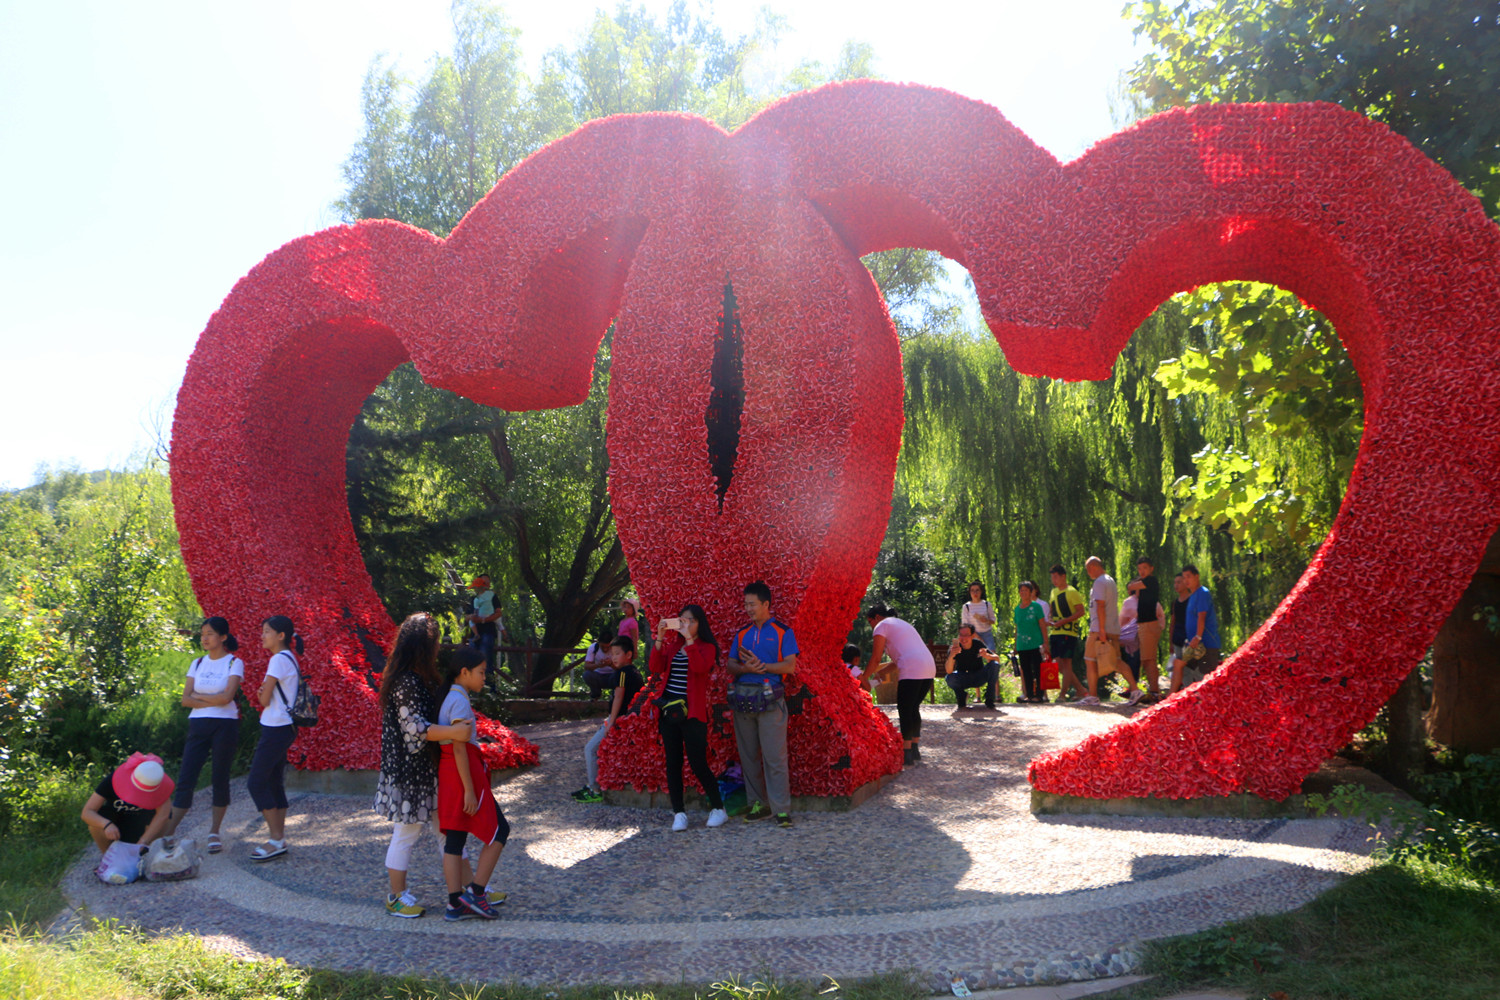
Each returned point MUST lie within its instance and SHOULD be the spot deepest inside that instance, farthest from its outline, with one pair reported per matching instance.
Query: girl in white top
(277, 693)
(213, 680)
(979, 613)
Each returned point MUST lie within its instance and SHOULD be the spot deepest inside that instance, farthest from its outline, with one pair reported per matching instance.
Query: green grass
(42, 844)
(1408, 930)
(113, 963)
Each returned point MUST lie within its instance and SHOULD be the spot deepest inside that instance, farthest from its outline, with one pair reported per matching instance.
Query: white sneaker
(717, 817)
(1135, 695)
(679, 822)
(1087, 700)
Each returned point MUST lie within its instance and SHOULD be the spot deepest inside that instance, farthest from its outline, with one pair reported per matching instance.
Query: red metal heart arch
(643, 219)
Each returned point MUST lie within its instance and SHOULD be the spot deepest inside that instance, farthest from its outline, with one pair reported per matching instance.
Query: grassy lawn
(1411, 930)
(112, 963)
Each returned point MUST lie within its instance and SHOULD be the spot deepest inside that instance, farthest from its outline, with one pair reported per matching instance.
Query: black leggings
(691, 735)
(267, 779)
(1031, 672)
(909, 695)
(454, 840)
(205, 735)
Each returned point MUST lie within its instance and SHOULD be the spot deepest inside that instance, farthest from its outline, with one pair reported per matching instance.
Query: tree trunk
(1406, 737)
(1465, 712)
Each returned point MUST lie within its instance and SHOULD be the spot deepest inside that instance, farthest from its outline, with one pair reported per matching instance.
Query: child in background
(627, 685)
(851, 660)
(465, 803)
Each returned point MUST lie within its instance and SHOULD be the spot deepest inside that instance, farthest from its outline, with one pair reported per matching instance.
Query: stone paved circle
(945, 871)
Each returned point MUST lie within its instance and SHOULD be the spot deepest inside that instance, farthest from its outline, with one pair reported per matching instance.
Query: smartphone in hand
(670, 623)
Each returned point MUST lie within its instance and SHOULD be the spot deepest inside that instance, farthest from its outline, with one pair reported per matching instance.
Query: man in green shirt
(1068, 608)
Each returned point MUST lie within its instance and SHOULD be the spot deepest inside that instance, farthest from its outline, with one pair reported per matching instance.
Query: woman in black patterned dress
(407, 793)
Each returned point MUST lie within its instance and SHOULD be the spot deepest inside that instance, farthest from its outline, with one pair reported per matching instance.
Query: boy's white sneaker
(679, 822)
(718, 817)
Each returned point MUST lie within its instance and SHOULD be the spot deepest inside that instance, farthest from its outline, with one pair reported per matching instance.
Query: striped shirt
(677, 679)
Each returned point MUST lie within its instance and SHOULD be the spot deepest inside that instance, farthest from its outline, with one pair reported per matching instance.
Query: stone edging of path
(1072, 967)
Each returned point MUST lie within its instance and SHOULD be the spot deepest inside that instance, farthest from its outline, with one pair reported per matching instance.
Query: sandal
(215, 845)
(271, 849)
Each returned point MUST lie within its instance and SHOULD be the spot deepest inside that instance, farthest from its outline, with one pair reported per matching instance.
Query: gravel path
(944, 871)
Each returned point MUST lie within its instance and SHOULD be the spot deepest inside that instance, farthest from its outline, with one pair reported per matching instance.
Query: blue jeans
(961, 681)
(486, 643)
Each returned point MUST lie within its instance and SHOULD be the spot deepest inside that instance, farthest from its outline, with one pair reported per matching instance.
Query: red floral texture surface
(643, 219)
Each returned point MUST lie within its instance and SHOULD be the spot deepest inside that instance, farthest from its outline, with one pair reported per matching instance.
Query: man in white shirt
(1101, 653)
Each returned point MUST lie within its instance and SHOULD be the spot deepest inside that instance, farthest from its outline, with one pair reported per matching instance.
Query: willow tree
(1021, 472)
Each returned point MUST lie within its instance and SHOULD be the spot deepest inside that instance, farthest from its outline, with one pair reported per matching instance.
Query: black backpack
(304, 708)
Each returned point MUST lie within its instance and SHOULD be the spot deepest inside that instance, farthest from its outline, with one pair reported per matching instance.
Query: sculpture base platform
(1334, 771)
(634, 799)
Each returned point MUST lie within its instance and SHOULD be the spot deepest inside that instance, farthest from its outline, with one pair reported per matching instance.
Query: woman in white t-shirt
(980, 614)
(213, 680)
(915, 670)
(276, 696)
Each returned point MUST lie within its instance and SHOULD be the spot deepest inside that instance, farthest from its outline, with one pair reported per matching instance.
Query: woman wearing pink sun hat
(132, 805)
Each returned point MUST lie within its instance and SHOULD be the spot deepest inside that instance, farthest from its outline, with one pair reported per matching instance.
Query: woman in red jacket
(684, 657)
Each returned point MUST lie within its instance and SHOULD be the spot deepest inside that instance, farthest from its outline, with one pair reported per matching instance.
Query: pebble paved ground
(944, 871)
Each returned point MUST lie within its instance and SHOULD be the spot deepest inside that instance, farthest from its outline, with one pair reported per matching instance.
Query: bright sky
(154, 152)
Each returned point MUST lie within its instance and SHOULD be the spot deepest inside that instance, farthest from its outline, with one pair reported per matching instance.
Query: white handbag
(172, 862)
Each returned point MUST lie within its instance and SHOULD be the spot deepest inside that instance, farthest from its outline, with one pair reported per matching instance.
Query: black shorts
(1064, 647)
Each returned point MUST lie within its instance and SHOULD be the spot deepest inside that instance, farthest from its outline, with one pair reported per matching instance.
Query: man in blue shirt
(1202, 632)
(763, 653)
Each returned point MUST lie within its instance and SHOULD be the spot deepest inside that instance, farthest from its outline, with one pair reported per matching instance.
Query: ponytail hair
(221, 626)
(283, 625)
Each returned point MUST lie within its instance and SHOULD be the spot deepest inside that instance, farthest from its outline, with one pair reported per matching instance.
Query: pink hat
(142, 781)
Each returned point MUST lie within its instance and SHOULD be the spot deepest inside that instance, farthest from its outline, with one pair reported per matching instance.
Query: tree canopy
(1430, 70)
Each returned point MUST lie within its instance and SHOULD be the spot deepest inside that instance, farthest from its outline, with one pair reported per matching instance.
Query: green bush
(41, 833)
(1471, 791)
(1409, 831)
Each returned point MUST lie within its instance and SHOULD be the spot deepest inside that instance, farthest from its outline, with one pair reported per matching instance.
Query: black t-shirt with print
(131, 820)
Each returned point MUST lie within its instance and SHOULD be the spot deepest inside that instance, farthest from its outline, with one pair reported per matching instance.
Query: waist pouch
(674, 710)
(753, 696)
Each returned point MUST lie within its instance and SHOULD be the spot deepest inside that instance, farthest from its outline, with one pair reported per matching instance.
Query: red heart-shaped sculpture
(645, 218)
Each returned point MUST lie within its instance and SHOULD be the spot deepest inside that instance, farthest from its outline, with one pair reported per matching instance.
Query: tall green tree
(1429, 70)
